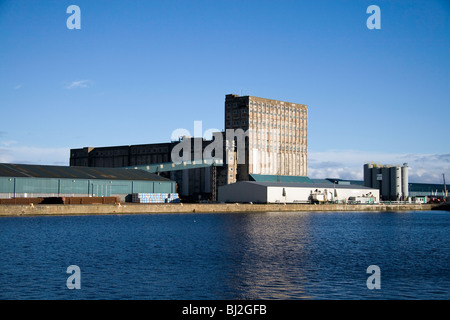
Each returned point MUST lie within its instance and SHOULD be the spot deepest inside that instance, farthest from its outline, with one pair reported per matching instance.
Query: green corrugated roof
(426, 187)
(64, 172)
(170, 166)
(413, 186)
(345, 181)
(276, 178)
(321, 181)
(304, 185)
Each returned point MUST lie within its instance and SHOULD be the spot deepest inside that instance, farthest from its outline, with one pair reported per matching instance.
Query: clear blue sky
(138, 70)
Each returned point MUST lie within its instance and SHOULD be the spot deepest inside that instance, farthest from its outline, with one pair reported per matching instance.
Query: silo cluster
(392, 181)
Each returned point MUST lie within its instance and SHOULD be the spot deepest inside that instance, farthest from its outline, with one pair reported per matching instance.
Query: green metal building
(19, 180)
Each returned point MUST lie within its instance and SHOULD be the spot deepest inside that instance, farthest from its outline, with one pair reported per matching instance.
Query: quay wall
(102, 209)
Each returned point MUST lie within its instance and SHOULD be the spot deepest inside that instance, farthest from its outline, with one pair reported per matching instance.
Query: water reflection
(270, 255)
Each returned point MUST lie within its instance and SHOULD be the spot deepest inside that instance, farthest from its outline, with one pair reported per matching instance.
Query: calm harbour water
(298, 255)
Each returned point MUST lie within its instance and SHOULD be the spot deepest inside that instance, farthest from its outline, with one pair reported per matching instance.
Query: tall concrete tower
(277, 142)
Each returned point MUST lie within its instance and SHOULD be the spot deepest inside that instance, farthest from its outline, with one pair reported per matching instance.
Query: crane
(445, 187)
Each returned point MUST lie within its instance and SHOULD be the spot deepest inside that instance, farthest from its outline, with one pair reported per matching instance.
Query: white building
(274, 192)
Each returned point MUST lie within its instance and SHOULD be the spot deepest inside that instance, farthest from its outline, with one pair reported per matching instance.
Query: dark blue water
(227, 256)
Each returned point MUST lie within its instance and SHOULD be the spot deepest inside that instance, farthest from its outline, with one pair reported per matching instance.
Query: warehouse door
(100, 190)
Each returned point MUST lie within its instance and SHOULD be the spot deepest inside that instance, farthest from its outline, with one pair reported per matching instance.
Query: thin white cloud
(18, 87)
(8, 143)
(79, 84)
(34, 155)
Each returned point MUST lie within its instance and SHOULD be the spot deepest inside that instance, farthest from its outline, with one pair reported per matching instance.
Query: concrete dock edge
(104, 209)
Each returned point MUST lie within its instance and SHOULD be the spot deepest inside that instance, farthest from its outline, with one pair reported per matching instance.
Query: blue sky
(138, 70)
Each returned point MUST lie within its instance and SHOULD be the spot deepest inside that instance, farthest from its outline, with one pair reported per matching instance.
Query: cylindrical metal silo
(368, 175)
(376, 170)
(392, 194)
(386, 182)
(398, 182)
(405, 189)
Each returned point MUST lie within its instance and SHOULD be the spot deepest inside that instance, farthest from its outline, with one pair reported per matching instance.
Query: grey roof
(44, 171)
(279, 178)
(306, 185)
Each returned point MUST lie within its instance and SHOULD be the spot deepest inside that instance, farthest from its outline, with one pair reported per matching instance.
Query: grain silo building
(391, 180)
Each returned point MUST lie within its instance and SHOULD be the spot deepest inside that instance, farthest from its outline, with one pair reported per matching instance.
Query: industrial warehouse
(38, 181)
